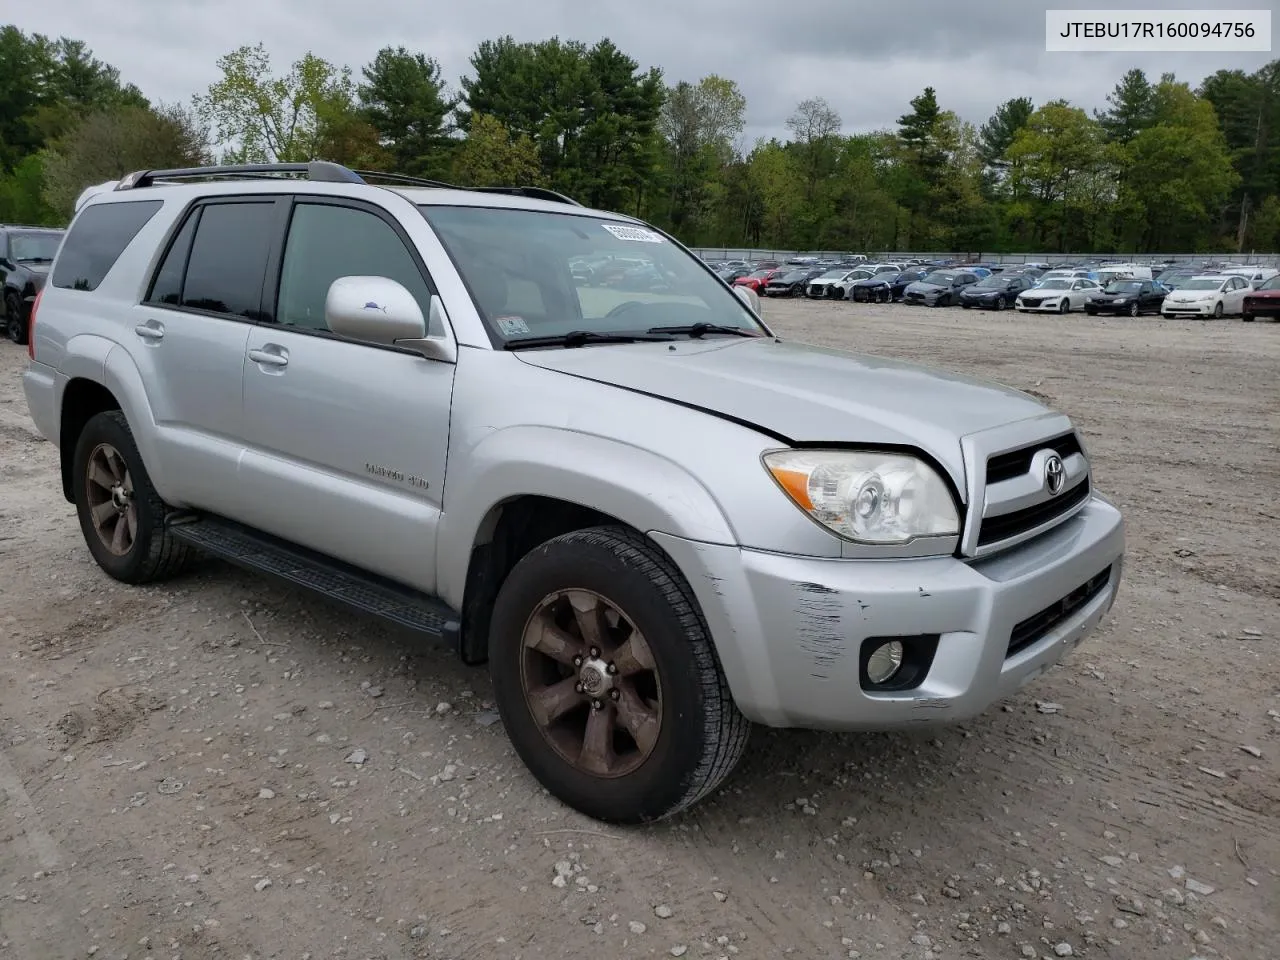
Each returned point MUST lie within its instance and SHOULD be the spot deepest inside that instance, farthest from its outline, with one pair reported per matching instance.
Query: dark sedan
(885, 287)
(1130, 297)
(994, 292)
(941, 288)
(25, 256)
(792, 283)
(1263, 301)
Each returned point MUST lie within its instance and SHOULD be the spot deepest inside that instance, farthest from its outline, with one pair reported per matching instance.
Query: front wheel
(1217, 310)
(607, 681)
(1133, 309)
(1246, 317)
(1064, 305)
(1000, 303)
(121, 515)
(15, 328)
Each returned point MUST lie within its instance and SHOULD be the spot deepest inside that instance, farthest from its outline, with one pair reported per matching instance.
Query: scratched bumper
(789, 629)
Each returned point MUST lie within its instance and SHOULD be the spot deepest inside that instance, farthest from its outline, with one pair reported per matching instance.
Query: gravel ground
(218, 768)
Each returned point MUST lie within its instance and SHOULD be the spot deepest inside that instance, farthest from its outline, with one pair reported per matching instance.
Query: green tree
(107, 144)
(699, 124)
(591, 112)
(996, 136)
(493, 156)
(1131, 110)
(22, 194)
(261, 117)
(403, 98)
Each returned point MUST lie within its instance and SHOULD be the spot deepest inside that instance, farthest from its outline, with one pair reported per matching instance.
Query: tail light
(31, 325)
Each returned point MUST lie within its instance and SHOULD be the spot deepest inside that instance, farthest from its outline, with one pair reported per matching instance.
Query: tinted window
(167, 286)
(229, 259)
(327, 242)
(98, 237)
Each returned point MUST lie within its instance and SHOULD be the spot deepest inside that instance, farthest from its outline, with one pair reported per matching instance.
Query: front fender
(640, 488)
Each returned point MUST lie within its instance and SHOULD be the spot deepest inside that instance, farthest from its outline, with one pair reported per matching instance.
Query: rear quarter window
(97, 238)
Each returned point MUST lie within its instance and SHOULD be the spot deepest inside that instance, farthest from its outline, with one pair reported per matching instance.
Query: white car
(1056, 295)
(833, 283)
(1207, 296)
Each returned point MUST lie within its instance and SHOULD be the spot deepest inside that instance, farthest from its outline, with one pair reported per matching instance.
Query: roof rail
(318, 170)
(533, 193)
(321, 171)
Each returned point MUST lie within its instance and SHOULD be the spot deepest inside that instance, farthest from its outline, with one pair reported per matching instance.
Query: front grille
(1038, 625)
(1006, 525)
(1015, 463)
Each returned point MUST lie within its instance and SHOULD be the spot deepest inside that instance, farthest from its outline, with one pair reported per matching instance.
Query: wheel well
(82, 400)
(508, 532)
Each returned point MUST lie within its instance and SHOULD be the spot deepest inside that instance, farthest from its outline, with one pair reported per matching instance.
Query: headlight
(870, 497)
(1120, 300)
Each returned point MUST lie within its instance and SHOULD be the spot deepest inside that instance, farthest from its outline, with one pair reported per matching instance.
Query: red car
(1262, 302)
(756, 280)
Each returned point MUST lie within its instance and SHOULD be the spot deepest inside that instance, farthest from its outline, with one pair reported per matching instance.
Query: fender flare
(640, 488)
(122, 378)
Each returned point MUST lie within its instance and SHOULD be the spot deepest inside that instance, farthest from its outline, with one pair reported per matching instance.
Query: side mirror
(381, 310)
(750, 298)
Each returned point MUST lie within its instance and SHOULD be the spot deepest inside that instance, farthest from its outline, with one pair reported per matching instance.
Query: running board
(338, 581)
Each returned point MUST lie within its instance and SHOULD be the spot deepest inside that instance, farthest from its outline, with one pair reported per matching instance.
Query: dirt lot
(176, 775)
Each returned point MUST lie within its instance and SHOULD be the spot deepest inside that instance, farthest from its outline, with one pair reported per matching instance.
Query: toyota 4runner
(656, 520)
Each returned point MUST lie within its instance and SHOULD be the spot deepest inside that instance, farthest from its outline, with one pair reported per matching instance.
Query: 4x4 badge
(1055, 474)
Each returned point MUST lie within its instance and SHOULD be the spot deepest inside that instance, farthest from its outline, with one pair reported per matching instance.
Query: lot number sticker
(637, 234)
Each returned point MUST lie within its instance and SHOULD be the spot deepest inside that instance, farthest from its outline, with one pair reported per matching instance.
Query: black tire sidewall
(110, 428)
(13, 318)
(1218, 311)
(667, 776)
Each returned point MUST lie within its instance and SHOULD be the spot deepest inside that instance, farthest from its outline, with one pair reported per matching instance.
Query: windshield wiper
(700, 329)
(579, 338)
(34, 259)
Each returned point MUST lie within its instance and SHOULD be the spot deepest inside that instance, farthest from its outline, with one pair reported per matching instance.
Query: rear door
(346, 439)
(189, 337)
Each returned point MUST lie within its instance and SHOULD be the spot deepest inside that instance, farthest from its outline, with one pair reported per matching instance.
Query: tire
(15, 328)
(1000, 303)
(964, 306)
(1217, 310)
(700, 735)
(1246, 318)
(148, 553)
(1133, 309)
(1064, 305)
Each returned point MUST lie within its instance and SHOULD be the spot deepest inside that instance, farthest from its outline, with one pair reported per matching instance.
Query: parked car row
(1208, 290)
(25, 255)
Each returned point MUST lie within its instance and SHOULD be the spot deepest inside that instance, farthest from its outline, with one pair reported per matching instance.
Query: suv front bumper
(789, 630)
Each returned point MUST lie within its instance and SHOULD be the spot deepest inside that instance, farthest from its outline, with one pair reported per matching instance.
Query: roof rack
(319, 171)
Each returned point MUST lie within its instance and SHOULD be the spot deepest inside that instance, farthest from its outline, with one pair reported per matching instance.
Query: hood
(921, 287)
(806, 393)
(1183, 296)
(1268, 294)
(971, 291)
(883, 278)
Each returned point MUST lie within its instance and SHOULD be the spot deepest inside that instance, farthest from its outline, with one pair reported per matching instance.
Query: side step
(338, 581)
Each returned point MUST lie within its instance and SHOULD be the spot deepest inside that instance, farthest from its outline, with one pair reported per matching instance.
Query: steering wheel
(623, 307)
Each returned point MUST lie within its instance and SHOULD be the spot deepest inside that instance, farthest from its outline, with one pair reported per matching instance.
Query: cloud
(867, 59)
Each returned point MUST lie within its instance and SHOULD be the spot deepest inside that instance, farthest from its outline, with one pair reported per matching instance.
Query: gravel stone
(662, 911)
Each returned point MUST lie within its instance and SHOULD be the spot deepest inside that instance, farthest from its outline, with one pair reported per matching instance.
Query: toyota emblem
(1055, 474)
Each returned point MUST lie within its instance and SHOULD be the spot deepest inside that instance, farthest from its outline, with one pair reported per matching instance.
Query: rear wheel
(121, 515)
(15, 328)
(607, 681)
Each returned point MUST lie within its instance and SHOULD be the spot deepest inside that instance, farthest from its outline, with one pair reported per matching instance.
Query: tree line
(1162, 167)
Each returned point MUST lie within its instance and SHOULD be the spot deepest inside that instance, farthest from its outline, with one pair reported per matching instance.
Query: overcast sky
(868, 59)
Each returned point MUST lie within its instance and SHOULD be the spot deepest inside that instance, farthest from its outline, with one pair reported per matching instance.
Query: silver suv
(554, 438)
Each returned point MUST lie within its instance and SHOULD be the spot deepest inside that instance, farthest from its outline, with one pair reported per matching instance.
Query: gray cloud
(867, 59)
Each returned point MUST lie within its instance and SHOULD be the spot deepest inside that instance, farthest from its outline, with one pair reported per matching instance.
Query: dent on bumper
(789, 629)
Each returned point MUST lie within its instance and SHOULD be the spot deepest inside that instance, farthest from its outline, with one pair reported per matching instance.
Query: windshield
(1272, 284)
(1062, 283)
(517, 266)
(1203, 283)
(991, 283)
(1123, 286)
(34, 246)
(939, 279)
(761, 274)
(834, 274)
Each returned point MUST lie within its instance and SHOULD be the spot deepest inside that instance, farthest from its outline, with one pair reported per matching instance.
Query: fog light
(884, 662)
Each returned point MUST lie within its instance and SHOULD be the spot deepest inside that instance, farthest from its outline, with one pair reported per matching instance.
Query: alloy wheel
(591, 683)
(109, 491)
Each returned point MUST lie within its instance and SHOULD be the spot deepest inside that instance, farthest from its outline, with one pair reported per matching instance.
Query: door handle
(150, 331)
(270, 356)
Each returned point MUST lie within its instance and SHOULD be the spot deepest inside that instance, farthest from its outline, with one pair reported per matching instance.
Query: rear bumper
(790, 630)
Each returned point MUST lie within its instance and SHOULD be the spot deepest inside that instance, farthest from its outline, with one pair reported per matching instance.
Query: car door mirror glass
(375, 309)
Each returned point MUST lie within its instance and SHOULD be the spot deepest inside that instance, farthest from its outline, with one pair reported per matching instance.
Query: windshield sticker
(511, 326)
(637, 234)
